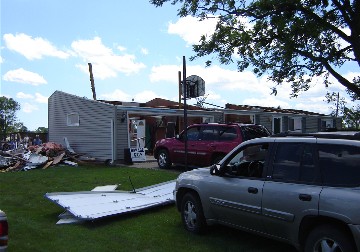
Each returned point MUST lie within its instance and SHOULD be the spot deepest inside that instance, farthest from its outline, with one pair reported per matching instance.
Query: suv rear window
(339, 164)
(253, 131)
(294, 162)
(218, 133)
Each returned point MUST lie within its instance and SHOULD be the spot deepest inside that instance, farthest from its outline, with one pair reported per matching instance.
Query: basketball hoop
(195, 87)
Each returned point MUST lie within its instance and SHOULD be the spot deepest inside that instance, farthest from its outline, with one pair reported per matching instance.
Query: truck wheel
(192, 213)
(164, 159)
(328, 238)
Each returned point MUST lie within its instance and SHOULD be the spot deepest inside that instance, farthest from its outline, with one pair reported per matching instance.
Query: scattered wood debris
(40, 157)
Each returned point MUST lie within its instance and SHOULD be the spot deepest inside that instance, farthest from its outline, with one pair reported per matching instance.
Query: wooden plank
(58, 158)
(48, 164)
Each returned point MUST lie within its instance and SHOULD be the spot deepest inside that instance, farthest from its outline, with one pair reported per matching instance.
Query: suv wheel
(164, 159)
(328, 238)
(192, 214)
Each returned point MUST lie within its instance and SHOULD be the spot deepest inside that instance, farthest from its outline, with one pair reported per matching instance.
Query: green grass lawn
(32, 218)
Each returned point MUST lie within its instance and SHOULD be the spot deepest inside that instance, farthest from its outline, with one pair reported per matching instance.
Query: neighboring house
(106, 129)
(281, 120)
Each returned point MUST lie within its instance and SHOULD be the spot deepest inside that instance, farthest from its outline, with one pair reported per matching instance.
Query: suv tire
(328, 238)
(192, 213)
(163, 159)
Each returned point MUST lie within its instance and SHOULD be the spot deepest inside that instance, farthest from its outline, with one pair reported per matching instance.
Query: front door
(237, 201)
(236, 197)
(193, 134)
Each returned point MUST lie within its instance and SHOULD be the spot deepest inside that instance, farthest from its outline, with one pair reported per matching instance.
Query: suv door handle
(305, 197)
(253, 190)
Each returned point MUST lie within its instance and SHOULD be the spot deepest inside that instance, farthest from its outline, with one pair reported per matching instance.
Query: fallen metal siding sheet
(91, 205)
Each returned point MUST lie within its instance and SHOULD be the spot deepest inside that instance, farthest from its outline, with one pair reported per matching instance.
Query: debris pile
(39, 156)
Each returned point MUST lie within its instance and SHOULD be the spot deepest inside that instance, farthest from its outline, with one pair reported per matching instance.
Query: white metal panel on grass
(91, 205)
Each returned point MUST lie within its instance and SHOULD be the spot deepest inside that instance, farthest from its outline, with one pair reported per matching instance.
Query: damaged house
(106, 130)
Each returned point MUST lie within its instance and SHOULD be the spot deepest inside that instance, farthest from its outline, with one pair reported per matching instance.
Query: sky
(136, 51)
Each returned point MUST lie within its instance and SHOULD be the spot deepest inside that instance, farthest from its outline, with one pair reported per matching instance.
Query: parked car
(3, 232)
(207, 143)
(303, 190)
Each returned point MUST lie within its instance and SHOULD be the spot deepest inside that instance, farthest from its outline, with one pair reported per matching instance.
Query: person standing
(37, 140)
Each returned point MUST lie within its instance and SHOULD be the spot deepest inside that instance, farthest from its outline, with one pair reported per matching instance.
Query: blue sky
(136, 52)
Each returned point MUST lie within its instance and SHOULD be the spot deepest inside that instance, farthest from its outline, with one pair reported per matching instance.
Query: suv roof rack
(351, 135)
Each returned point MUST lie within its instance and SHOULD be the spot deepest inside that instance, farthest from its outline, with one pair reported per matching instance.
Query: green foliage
(350, 115)
(8, 108)
(32, 218)
(41, 130)
(17, 127)
(290, 40)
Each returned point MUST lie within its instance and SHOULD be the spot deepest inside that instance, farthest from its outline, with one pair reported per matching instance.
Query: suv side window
(294, 162)
(339, 164)
(249, 162)
(227, 133)
(210, 133)
(193, 133)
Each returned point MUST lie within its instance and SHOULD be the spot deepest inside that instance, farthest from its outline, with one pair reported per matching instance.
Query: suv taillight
(4, 229)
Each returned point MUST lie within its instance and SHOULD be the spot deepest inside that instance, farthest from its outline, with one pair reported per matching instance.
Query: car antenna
(132, 185)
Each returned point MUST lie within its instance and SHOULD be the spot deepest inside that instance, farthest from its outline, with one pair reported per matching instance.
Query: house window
(277, 127)
(295, 124)
(208, 119)
(326, 123)
(73, 119)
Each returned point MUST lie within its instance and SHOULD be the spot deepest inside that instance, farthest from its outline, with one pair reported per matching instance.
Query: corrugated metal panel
(98, 204)
(93, 135)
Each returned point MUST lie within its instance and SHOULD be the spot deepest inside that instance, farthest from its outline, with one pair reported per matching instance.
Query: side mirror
(215, 169)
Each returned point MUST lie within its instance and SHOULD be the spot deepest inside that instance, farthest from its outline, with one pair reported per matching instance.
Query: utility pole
(92, 81)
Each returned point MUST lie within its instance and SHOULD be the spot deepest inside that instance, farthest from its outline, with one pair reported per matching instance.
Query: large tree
(290, 40)
(8, 108)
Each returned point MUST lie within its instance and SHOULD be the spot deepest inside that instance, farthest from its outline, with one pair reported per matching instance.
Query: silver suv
(303, 190)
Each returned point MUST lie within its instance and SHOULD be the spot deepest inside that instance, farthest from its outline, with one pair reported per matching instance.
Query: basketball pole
(185, 111)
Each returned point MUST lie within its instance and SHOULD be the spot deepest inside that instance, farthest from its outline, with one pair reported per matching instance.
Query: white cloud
(215, 77)
(40, 98)
(147, 95)
(121, 48)
(22, 76)
(144, 51)
(32, 48)
(116, 95)
(29, 108)
(168, 73)
(269, 101)
(318, 107)
(105, 62)
(21, 95)
(190, 28)
(119, 95)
